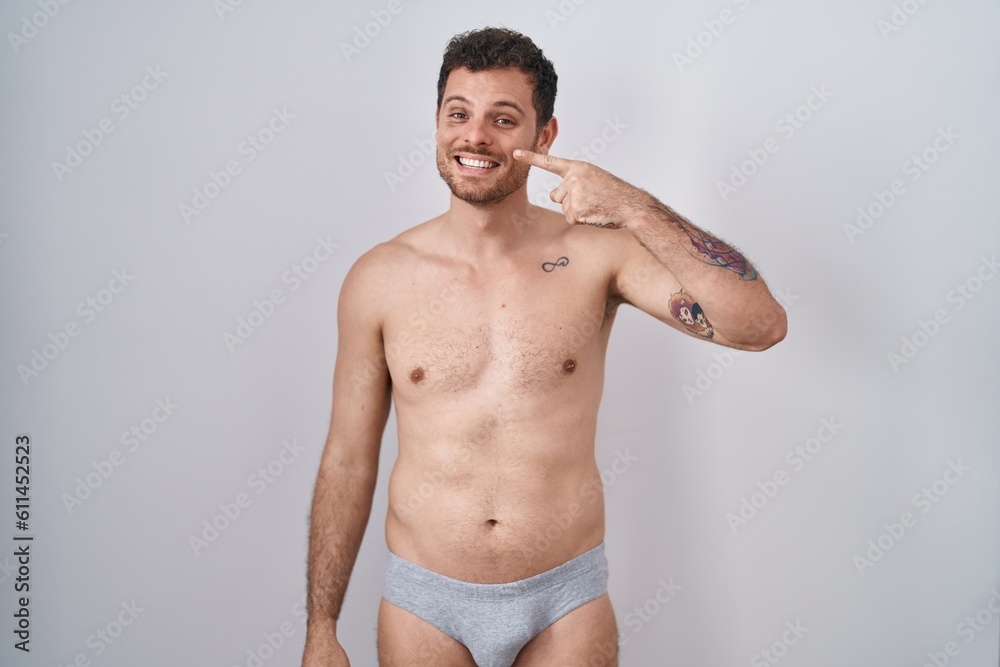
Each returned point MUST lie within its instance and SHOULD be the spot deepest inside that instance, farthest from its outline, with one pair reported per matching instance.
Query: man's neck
(478, 231)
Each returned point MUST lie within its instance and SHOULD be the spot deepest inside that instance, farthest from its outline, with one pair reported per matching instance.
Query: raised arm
(342, 499)
(670, 268)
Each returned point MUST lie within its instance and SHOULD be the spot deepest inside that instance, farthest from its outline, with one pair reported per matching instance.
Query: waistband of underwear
(590, 562)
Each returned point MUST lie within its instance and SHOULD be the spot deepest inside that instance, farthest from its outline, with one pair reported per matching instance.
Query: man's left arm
(699, 284)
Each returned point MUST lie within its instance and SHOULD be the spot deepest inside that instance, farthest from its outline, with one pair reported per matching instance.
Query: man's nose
(478, 133)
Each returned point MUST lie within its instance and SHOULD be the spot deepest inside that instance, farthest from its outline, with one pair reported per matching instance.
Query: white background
(358, 115)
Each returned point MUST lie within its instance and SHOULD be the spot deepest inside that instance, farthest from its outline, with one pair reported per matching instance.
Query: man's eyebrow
(502, 103)
(455, 98)
(513, 105)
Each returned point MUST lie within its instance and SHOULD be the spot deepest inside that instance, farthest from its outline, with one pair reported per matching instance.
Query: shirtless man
(488, 326)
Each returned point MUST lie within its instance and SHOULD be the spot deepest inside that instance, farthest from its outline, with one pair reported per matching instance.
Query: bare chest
(522, 333)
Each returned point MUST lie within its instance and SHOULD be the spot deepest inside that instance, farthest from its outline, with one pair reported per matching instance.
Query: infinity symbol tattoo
(549, 266)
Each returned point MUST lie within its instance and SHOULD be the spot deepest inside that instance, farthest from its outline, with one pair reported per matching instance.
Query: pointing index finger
(556, 165)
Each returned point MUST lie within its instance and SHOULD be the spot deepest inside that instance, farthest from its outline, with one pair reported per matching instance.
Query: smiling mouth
(476, 164)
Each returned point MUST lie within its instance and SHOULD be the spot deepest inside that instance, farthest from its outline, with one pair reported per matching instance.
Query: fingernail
(518, 153)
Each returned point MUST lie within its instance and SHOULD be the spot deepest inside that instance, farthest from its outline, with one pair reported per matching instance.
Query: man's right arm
(345, 485)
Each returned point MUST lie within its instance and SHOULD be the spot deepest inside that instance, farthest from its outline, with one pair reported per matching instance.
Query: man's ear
(547, 136)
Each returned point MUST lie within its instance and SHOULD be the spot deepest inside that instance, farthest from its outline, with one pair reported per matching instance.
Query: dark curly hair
(497, 48)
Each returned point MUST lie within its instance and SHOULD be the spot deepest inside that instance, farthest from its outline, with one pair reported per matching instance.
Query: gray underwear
(494, 621)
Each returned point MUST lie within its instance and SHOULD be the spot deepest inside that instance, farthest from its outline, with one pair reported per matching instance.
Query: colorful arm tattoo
(711, 250)
(714, 252)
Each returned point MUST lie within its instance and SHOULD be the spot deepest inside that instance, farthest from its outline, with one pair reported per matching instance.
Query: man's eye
(505, 121)
(458, 114)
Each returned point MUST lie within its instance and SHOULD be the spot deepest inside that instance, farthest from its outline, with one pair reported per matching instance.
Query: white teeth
(481, 164)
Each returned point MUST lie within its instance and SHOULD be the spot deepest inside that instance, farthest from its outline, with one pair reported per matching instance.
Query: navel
(416, 375)
(569, 366)
(491, 522)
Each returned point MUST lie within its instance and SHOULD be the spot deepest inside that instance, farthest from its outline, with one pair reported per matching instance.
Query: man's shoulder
(382, 263)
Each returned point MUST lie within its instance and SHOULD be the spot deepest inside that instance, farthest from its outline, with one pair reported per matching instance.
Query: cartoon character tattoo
(689, 313)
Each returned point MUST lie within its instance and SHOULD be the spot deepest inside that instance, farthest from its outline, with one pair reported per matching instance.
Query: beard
(468, 190)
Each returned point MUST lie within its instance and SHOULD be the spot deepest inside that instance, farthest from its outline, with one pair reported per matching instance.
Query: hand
(328, 655)
(588, 194)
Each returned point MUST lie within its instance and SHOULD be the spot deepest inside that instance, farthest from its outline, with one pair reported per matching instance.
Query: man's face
(483, 117)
